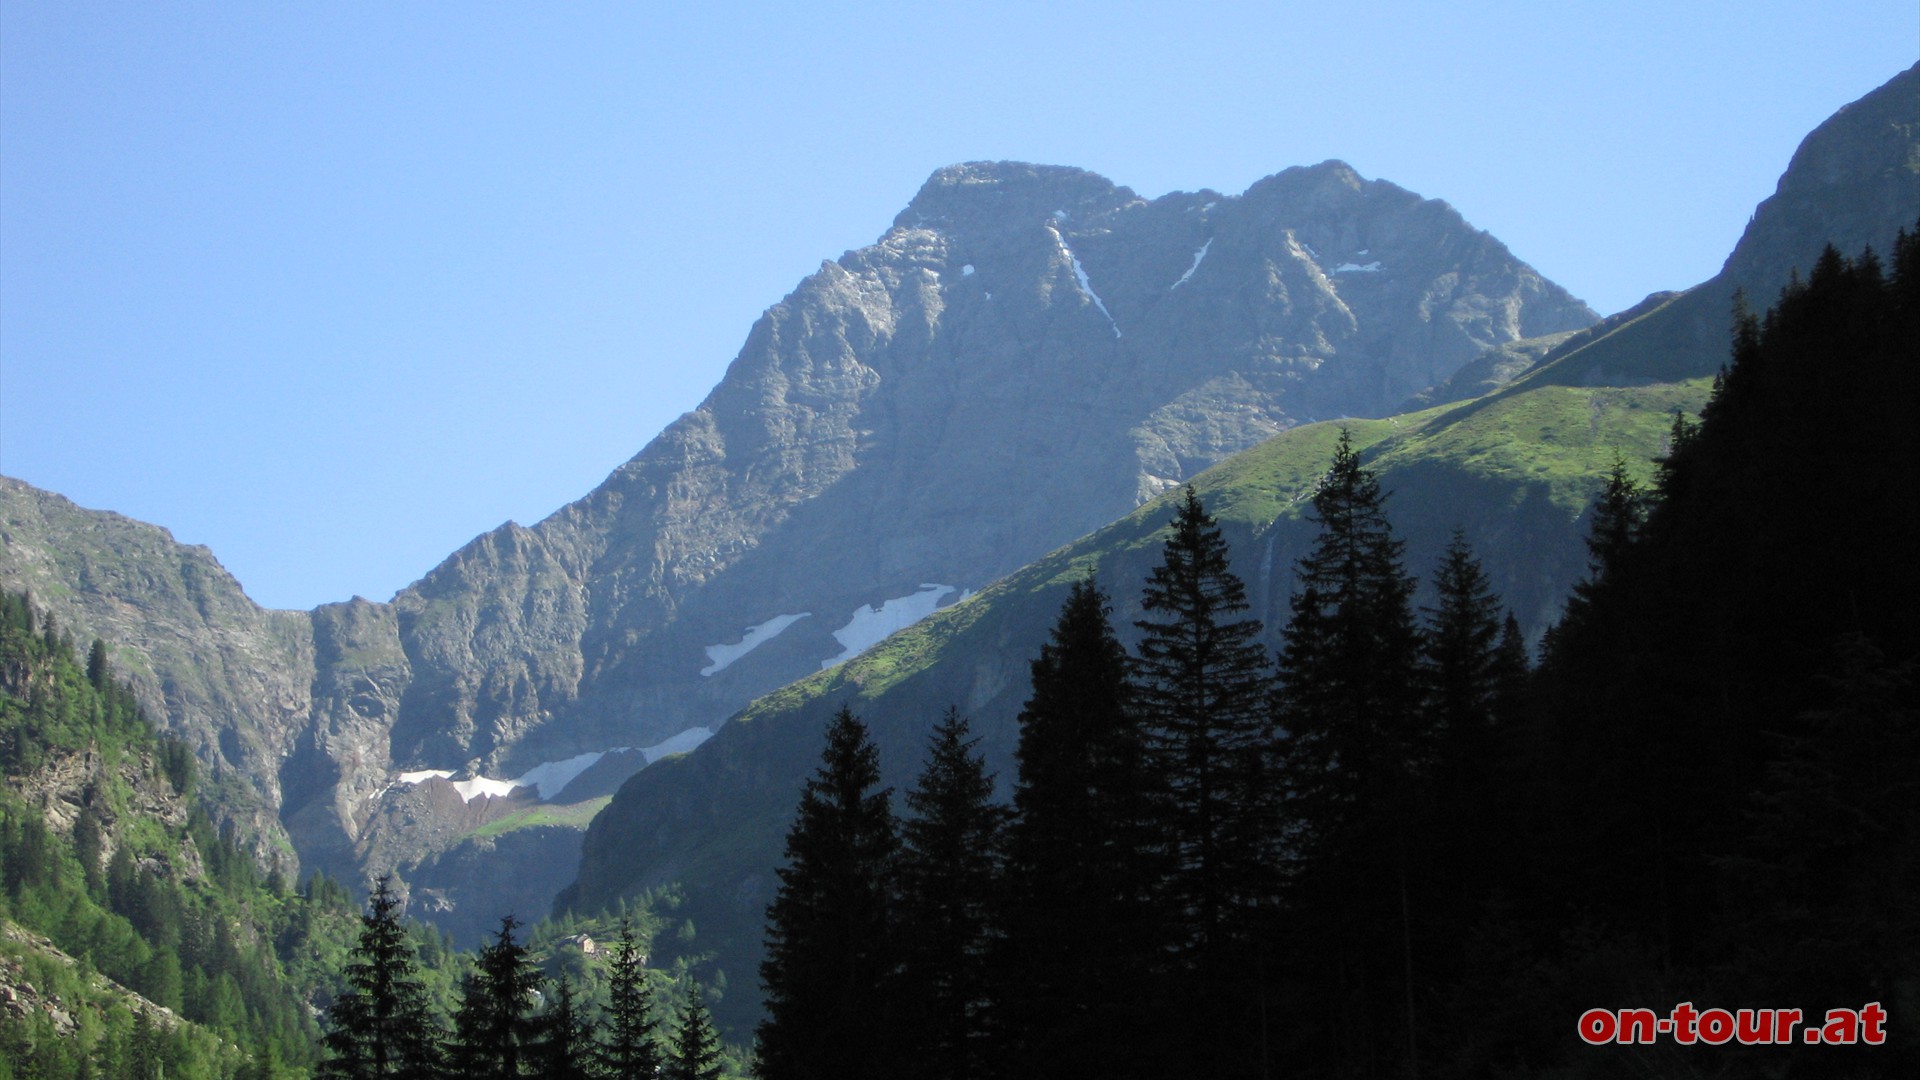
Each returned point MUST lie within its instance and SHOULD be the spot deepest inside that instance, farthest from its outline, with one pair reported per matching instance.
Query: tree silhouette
(1202, 683)
(948, 873)
(561, 1047)
(1356, 753)
(1083, 941)
(828, 949)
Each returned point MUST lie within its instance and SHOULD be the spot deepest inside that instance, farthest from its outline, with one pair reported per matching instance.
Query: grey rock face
(1026, 354)
(229, 676)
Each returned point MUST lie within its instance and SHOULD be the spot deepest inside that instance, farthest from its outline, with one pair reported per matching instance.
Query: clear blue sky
(331, 288)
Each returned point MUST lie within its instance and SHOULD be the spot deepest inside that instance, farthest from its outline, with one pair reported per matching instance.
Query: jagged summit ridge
(1027, 353)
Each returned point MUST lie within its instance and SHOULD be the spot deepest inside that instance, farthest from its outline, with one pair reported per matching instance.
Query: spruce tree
(1202, 682)
(97, 672)
(828, 941)
(1083, 945)
(630, 1050)
(382, 1027)
(1355, 753)
(561, 1047)
(696, 1046)
(1349, 662)
(948, 874)
(1510, 667)
(494, 1023)
(1618, 513)
(1460, 654)
(1472, 663)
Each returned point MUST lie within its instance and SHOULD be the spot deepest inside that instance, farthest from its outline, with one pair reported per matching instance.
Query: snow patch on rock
(723, 656)
(1356, 268)
(678, 744)
(1080, 277)
(472, 789)
(549, 778)
(1197, 256)
(872, 624)
(967, 270)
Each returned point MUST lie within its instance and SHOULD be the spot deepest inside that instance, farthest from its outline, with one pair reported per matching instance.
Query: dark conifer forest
(1399, 847)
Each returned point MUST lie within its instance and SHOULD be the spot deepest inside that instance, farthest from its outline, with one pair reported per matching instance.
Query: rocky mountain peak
(1028, 353)
(1008, 192)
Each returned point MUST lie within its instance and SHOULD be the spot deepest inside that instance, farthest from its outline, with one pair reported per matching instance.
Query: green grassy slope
(1514, 470)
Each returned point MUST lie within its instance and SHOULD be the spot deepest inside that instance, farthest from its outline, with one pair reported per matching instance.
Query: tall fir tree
(1473, 667)
(1463, 664)
(828, 941)
(630, 1049)
(494, 1023)
(1083, 943)
(696, 1046)
(1618, 513)
(382, 1026)
(561, 1044)
(1350, 662)
(948, 874)
(1202, 682)
(1355, 753)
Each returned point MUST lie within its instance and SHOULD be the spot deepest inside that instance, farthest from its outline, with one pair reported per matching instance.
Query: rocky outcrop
(1853, 183)
(206, 662)
(1026, 354)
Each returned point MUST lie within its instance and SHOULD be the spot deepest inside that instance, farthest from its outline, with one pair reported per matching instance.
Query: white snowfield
(872, 624)
(723, 656)
(678, 744)
(1197, 256)
(1356, 268)
(550, 778)
(1080, 277)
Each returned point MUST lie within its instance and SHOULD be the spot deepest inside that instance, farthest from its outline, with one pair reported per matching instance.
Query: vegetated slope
(55, 1013)
(225, 675)
(107, 854)
(1727, 738)
(1515, 474)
